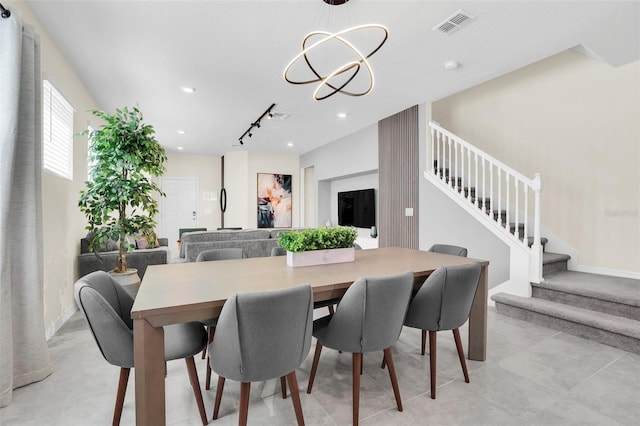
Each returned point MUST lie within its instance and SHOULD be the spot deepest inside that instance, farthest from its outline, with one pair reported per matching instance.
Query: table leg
(478, 319)
(148, 346)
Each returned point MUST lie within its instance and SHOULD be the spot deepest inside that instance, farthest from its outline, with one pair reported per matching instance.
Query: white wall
(576, 121)
(347, 158)
(241, 170)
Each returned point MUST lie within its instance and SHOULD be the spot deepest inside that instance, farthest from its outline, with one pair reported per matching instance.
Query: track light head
(250, 134)
(241, 142)
(270, 115)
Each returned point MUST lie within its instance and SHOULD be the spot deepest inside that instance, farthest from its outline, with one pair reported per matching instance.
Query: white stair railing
(505, 198)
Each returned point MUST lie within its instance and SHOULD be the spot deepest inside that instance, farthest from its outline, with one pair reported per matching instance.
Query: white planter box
(320, 257)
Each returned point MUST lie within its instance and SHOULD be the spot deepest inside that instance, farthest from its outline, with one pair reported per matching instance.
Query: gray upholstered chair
(449, 249)
(107, 308)
(369, 318)
(278, 251)
(357, 246)
(260, 336)
(210, 256)
(220, 254)
(444, 303)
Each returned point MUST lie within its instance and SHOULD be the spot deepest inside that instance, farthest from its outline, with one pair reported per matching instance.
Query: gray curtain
(24, 357)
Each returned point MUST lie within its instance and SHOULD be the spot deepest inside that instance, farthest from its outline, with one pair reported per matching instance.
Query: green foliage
(118, 200)
(318, 239)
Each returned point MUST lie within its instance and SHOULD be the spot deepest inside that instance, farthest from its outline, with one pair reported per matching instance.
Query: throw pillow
(144, 242)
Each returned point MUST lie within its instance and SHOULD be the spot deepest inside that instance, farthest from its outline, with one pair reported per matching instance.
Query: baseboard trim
(607, 271)
(59, 322)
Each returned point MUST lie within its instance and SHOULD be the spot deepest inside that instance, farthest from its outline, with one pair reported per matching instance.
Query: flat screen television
(357, 208)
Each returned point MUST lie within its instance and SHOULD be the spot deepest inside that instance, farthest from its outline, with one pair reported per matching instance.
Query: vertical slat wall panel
(399, 174)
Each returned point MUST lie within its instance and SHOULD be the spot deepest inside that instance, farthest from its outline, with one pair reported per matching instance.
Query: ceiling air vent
(454, 22)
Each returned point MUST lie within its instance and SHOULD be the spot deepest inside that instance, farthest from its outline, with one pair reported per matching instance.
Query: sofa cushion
(252, 248)
(224, 235)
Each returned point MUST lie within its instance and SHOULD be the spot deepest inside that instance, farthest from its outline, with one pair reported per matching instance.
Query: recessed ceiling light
(342, 115)
(290, 144)
(186, 89)
(451, 65)
(180, 148)
(181, 132)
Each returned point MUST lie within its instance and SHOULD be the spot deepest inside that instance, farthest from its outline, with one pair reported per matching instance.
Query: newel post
(536, 249)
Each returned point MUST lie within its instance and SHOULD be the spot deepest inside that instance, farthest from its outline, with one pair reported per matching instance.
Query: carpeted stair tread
(612, 323)
(548, 257)
(613, 289)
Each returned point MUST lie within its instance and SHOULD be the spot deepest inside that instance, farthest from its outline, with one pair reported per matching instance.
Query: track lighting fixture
(256, 124)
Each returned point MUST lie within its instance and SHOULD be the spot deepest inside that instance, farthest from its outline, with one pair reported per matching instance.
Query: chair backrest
(444, 300)
(449, 249)
(357, 246)
(220, 254)
(107, 307)
(371, 313)
(278, 251)
(263, 335)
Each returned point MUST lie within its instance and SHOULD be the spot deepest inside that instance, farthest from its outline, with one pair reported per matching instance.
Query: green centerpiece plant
(119, 201)
(318, 239)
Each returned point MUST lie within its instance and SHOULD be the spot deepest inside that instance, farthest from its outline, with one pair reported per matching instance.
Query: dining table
(183, 292)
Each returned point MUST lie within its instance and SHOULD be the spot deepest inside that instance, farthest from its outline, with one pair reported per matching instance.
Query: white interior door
(179, 209)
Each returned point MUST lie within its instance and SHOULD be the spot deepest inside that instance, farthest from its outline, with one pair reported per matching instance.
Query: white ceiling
(234, 53)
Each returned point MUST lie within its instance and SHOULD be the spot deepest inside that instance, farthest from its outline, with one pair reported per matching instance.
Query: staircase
(597, 307)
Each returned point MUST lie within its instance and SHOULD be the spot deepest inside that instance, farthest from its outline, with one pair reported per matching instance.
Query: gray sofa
(254, 242)
(138, 259)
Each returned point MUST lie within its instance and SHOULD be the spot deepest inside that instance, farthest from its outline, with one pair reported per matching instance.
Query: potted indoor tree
(118, 201)
(319, 246)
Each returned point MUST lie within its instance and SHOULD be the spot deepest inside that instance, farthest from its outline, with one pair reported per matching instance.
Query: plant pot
(128, 279)
(320, 257)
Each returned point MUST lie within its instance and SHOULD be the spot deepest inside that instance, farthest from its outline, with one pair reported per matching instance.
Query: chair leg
(432, 362)
(362, 364)
(283, 387)
(210, 334)
(357, 363)
(219, 389)
(211, 331)
(392, 375)
(314, 366)
(122, 389)
(245, 389)
(295, 397)
(384, 363)
(331, 309)
(463, 363)
(424, 341)
(195, 384)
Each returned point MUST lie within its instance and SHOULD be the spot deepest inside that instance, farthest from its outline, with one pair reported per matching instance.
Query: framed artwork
(274, 200)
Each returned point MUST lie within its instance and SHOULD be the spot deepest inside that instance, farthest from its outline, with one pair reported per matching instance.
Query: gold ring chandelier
(353, 67)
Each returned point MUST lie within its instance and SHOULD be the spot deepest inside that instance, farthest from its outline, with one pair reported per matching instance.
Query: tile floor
(532, 376)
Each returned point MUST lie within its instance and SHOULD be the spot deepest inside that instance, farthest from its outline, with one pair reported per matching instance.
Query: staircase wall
(446, 222)
(574, 120)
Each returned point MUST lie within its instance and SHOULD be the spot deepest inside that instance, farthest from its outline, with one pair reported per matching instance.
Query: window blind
(57, 128)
